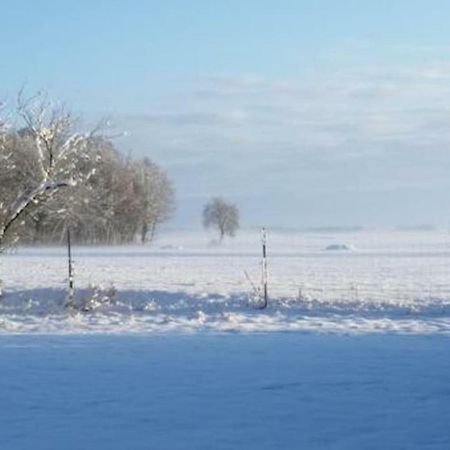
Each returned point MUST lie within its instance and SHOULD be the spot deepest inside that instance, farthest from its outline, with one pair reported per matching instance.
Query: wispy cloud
(354, 128)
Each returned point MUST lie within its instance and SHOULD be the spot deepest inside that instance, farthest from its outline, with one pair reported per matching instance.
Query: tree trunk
(144, 232)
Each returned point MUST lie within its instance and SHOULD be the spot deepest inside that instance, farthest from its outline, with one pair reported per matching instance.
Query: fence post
(70, 269)
(264, 267)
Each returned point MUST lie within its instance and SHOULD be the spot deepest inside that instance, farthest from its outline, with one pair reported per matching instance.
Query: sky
(303, 113)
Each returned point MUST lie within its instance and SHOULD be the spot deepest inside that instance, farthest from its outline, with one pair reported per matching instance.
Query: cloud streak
(361, 129)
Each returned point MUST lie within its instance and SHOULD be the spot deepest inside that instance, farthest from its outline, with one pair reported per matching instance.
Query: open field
(397, 281)
(352, 352)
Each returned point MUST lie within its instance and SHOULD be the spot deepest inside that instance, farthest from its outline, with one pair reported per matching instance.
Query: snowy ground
(240, 391)
(184, 360)
(397, 281)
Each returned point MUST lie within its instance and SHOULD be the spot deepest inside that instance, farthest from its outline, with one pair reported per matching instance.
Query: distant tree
(222, 215)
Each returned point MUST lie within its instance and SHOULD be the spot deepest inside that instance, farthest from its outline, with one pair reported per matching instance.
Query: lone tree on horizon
(222, 215)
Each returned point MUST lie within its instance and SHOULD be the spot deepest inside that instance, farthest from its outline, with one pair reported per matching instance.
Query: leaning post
(264, 268)
(70, 269)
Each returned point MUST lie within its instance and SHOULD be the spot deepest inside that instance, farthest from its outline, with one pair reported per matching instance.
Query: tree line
(54, 177)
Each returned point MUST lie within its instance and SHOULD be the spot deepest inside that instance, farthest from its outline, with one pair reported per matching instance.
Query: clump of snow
(171, 247)
(335, 247)
(96, 297)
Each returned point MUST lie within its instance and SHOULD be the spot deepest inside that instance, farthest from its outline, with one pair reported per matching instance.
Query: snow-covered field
(387, 281)
(194, 364)
(240, 391)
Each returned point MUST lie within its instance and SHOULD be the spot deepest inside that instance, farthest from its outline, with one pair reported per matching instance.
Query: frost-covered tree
(53, 178)
(222, 215)
(85, 208)
(123, 200)
(45, 155)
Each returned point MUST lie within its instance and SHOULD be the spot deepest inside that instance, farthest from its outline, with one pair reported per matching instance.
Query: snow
(394, 281)
(337, 247)
(352, 353)
(249, 392)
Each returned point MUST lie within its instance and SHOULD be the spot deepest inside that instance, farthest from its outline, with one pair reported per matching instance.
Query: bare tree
(222, 215)
(123, 200)
(45, 155)
(107, 198)
(156, 198)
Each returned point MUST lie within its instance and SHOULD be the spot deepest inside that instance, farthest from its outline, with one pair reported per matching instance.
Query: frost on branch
(122, 201)
(39, 158)
(53, 178)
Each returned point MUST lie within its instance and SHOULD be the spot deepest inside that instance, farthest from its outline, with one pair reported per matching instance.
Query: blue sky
(304, 113)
